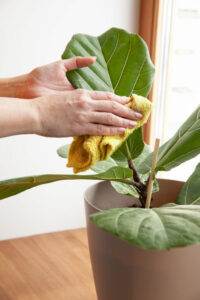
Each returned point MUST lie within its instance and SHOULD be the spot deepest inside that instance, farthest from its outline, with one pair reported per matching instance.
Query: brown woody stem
(140, 187)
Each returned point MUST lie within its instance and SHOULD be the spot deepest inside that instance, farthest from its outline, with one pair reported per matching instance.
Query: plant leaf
(128, 189)
(140, 159)
(190, 192)
(157, 228)
(63, 151)
(15, 186)
(123, 65)
(184, 145)
(125, 189)
(120, 187)
(104, 165)
(135, 145)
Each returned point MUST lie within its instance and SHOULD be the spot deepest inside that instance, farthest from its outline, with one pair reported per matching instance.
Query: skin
(44, 102)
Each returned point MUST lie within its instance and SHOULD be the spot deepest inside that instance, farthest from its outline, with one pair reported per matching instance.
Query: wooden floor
(51, 266)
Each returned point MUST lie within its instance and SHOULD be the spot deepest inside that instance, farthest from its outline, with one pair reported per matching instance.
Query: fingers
(108, 96)
(78, 62)
(99, 129)
(110, 119)
(116, 109)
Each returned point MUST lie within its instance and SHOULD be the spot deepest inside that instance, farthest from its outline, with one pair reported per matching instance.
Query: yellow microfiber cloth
(86, 150)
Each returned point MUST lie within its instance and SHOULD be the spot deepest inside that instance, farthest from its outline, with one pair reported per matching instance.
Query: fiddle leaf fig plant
(123, 66)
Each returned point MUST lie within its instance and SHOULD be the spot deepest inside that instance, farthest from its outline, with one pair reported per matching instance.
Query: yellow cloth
(86, 150)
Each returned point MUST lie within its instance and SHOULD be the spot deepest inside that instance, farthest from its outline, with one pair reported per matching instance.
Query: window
(178, 80)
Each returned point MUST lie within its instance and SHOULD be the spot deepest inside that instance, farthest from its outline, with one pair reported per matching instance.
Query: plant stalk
(140, 187)
(151, 177)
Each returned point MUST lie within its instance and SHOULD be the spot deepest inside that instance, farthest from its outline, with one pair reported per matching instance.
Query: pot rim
(103, 181)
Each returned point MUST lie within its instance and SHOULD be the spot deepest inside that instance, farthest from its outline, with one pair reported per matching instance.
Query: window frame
(150, 24)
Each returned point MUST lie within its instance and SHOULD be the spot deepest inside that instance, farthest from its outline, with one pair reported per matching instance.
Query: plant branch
(136, 177)
(140, 187)
(130, 163)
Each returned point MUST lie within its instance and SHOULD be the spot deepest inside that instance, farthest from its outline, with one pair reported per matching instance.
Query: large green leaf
(190, 192)
(15, 186)
(135, 145)
(123, 65)
(184, 145)
(158, 228)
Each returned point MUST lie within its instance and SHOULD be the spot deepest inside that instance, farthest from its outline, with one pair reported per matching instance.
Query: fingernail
(121, 130)
(132, 124)
(125, 99)
(138, 115)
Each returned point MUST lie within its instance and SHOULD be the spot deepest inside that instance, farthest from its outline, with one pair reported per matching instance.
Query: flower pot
(123, 271)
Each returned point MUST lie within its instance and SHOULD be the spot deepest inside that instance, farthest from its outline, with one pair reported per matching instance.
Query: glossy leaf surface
(190, 192)
(123, 65)
(135, 144)
(184, 145)
(158, 228)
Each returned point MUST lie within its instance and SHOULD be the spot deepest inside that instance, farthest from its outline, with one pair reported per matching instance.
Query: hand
(82, 112)
(51, 78)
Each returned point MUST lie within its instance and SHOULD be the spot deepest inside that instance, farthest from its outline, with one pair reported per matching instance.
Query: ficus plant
(123, 66)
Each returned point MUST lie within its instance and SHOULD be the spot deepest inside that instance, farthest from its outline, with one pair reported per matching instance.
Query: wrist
(35, 124)
(18, 116)
(15, 87)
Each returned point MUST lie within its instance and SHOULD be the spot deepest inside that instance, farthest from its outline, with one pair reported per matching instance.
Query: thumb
(78, 62)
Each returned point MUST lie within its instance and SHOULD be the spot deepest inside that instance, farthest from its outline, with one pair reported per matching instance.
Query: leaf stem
(151, 177)
(130, 164)
(128, 151)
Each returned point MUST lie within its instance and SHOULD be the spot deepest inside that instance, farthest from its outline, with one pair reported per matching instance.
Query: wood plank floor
(51, 266)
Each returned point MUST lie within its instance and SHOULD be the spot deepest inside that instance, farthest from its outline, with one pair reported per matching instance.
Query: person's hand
(51, 78)
(82, 112)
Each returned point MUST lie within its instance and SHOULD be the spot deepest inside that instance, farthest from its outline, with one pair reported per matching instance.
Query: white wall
(33, 33)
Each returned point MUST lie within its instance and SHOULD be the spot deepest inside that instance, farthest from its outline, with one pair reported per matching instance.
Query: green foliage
(123, 65)
(184, 145)
(158, 228)
(190, 192)
(124, 188)
(135, 145)
(15, 186)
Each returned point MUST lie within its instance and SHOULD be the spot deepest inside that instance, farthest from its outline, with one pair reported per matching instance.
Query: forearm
(17, 117)
(15, 87)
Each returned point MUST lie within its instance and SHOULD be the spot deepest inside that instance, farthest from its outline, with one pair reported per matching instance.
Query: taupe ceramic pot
(125, 272)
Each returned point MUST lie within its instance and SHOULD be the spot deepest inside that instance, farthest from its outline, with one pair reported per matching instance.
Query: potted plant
(138, 251)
